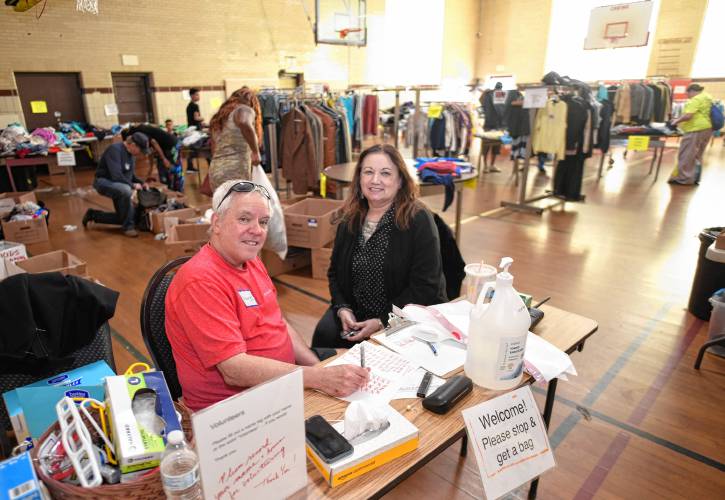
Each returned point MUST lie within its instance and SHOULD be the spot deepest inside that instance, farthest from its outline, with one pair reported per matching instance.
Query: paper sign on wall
(66, 158)
(110, 109)
(252, 445)
(216, 102)
(509, 440)
(185, 95)
(638, 143)
(38, 106)
(535, 98)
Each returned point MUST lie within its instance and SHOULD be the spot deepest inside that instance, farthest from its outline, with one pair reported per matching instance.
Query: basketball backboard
(340, 22)
(621, 25)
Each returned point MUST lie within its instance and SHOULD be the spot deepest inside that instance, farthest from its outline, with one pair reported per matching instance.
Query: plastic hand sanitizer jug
(497, 335)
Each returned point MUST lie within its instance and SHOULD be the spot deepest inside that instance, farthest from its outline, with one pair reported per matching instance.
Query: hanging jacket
(299, 163)
(451, 258)
(45, 317)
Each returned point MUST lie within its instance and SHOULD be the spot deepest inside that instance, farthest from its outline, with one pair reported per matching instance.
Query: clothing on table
(550, 129)
(232, 154)
(412, 273)
(191, 109)
(692, 147)
(215, 311)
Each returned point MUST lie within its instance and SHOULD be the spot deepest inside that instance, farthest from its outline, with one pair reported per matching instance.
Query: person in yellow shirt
(697, 128)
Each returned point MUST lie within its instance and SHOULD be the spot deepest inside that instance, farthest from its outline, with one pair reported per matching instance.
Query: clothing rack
(523, 203)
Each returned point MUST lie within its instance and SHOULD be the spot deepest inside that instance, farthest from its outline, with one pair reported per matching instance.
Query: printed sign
(499, 97)
(535, 98)
(435, 110)
(638, 143)
(252, 445)
(216, 102)
(38, 106)
(509, 440)
(66, 158)
(110, 109)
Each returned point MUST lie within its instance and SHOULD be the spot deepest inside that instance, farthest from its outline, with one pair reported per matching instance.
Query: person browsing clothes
(223, 320)
(386, 252)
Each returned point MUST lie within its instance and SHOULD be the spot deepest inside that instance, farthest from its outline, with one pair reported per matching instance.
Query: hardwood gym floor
(638, 421)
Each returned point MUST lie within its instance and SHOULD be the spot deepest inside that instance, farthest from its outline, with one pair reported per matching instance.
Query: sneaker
(88, 217)
(131, 233)
(494, 170)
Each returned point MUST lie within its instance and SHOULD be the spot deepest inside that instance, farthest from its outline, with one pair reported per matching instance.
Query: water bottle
(497, 335)
(180, 469)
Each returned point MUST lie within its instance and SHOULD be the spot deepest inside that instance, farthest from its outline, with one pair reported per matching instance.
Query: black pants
(327, 332)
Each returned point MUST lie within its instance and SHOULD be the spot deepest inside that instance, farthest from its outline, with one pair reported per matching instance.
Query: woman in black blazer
(386, 252)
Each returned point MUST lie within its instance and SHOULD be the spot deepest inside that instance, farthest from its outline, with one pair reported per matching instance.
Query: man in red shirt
(222, 317)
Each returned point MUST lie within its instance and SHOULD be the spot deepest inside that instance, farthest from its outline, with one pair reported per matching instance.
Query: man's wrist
(311, 377)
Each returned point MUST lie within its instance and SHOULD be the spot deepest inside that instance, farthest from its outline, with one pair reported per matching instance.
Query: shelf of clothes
(444, 129)
(443, 171)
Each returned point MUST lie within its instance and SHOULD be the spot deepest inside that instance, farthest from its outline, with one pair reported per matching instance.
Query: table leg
(601, 164)
(459, 209)
(659, 162)
(652, 163)
(548, 409)
(464, 445)
(10, 176)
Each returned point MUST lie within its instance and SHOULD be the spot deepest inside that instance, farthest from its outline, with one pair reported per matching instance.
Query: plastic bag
(276, 232)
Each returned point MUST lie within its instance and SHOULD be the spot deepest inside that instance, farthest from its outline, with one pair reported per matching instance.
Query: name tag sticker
(248, 298)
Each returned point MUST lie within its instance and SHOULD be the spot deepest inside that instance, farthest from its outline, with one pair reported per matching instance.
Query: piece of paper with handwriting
(252, 445)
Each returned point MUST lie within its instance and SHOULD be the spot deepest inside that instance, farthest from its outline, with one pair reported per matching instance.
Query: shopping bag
(276, 232)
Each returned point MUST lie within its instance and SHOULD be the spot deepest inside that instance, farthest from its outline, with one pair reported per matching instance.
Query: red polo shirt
(215, 311)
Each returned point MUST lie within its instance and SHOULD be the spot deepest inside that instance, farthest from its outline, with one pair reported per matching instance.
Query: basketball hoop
(344, 32)
(87, 6)
(614, 32)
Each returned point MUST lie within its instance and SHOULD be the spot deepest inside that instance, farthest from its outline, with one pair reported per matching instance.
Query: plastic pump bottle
(497, 335)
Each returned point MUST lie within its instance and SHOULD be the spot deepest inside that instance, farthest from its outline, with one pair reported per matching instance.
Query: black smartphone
(349, 333)
(322, 437)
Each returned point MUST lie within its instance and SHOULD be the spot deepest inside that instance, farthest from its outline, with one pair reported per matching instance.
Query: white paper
(252, 445)
(509, 440)
(387, 371)
(451, 354)
(535, 97)
(409, 387)
(110, 109)
(66, 158)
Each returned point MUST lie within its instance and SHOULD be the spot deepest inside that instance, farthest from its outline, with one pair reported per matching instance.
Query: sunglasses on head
(245, 187)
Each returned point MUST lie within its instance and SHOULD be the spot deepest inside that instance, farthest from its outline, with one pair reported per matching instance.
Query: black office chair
(99, 349)
(153, 323)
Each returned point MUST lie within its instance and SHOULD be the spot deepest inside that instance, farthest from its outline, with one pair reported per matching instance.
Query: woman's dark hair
(406, 200)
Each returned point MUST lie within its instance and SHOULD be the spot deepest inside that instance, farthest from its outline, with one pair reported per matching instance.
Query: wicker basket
(147, 486)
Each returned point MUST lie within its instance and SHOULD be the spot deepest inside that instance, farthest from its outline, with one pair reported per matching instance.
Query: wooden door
(133, 98)
(55, 92)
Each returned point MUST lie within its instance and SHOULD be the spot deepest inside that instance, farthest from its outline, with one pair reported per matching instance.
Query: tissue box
(32, 407)
(18, 479)
(400, 438)
(136, 447)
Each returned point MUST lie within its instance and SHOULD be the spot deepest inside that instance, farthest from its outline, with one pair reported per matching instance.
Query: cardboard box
(26, 231)
(39, 248)
(137, 447)
(321, 261)
(58, 261)
(9, 200)
(185, 239)
(18, 479)
(400, 438)
(12, 251)
(158, 219)
(297, 258)
(39, 416)
(311, 223)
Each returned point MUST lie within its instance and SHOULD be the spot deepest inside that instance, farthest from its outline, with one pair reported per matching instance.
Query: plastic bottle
(180, 469)
(497, 335)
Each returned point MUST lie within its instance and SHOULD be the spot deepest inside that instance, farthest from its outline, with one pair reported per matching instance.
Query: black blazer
(413, 270)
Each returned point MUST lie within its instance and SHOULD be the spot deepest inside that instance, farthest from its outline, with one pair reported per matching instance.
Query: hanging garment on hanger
(297, 148)
(550, 129)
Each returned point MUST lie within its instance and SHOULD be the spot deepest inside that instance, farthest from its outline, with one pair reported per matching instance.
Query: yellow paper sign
(470, 183)
(216, 102)
(323, 185)
(38, 106)
(435, 110)
(638, 143)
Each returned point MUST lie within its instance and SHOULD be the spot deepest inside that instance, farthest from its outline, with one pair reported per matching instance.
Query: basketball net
(87, 6)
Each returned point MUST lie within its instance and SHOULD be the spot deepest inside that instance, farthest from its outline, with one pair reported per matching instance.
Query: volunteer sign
(510, 442)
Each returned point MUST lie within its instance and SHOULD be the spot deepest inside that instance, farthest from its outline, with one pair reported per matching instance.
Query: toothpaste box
(32, 407)
(127, 397)
(18, 479)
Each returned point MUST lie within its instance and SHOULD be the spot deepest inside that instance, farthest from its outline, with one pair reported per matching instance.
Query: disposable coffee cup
(477, 275)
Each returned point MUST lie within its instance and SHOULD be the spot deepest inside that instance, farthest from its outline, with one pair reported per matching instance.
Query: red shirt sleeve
(210, 322)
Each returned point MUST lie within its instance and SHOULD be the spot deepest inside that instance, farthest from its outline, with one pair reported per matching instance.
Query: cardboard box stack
(321, 261)
(312, 223)
(29, 232)
(185, 239)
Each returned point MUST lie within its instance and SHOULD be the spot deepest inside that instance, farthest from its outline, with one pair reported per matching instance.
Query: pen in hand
(362, 355)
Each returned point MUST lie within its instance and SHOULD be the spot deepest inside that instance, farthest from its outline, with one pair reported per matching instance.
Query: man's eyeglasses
(245, 187)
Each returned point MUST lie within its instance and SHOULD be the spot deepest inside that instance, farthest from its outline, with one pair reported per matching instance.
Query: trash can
(709, 274)
(717, 321)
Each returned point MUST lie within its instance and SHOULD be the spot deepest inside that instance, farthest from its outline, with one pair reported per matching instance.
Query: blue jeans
(120, 193)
